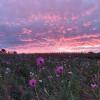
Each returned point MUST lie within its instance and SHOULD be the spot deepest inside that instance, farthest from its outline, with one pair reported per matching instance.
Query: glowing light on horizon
(50, 25)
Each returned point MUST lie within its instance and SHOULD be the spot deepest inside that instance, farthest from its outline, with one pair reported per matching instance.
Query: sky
(32, 26)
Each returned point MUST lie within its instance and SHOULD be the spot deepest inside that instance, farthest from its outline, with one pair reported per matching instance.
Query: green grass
(74, 84)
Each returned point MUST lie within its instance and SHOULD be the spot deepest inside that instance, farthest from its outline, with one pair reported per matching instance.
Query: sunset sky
(50, 25)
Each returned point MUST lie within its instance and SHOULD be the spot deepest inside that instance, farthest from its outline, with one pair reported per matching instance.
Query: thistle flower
(94, 85)
(40, 61)
(32, 83)
(59, 70)
(50, 77)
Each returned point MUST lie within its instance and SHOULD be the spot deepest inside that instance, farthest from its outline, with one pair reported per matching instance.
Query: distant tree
(90, 52)
(12, 52)
(3, 51)
(15, 52)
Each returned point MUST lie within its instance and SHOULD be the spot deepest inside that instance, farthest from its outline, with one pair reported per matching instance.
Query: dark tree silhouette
(15, 52)
(3, 51)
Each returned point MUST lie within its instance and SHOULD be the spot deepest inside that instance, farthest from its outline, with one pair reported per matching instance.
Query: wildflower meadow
(48, 77)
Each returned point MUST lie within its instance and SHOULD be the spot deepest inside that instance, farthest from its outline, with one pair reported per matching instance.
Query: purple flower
(40, 61)
(94, 85)
(32, 83)
(50, 77)
(59, 70)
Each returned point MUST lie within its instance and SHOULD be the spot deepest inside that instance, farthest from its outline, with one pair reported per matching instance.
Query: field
(49, 76)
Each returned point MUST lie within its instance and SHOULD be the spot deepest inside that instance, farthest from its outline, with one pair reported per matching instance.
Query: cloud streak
(50, 25)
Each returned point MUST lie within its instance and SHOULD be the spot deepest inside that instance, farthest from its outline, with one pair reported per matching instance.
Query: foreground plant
(49, 79)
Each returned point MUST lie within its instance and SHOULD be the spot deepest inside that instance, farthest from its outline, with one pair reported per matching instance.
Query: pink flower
(59, 70)
(94, 85)
(32, 83)
(40, 61)
(50, 77)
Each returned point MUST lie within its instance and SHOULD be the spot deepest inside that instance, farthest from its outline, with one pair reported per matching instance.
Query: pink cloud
(61, 45)
(26, 31)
